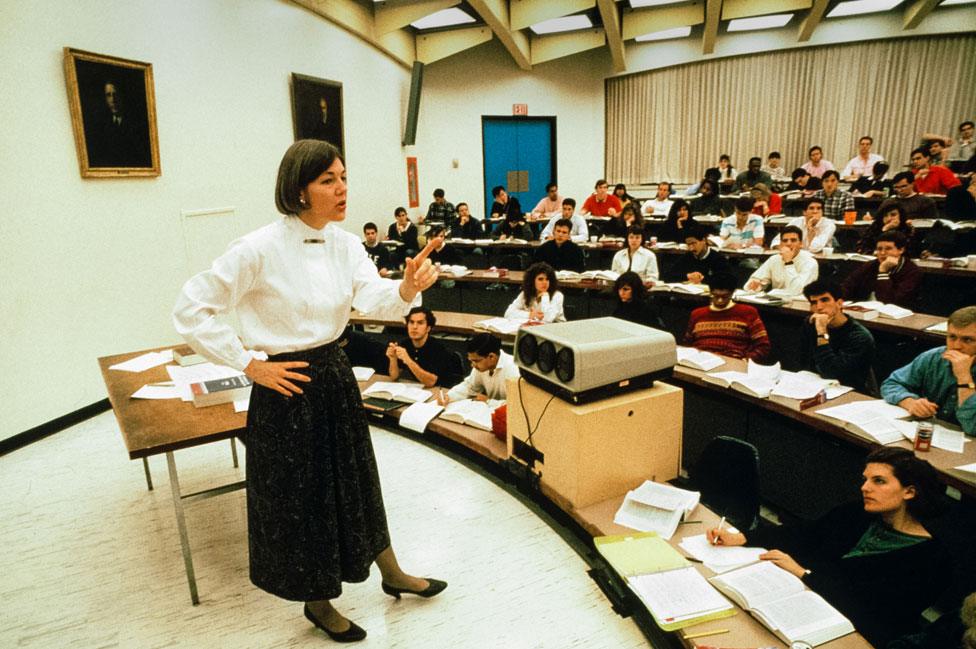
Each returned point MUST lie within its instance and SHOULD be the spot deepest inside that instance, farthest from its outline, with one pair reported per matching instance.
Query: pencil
(703, 634)
(718, 530)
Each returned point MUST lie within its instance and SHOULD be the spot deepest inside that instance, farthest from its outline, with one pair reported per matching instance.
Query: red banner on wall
(413, 191)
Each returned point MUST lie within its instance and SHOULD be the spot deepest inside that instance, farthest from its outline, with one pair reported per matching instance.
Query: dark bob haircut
(636, 284)
(303, 162)
(912, 472)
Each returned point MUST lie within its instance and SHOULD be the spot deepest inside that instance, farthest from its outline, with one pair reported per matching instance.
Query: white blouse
(289, 295)
(644, 263)
(551, 307)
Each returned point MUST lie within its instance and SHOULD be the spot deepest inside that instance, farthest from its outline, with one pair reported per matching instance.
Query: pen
(163, 383)
(703, 634)
(718, 531)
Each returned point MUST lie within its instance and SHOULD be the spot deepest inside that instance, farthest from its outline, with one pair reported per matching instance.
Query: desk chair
(727, 475)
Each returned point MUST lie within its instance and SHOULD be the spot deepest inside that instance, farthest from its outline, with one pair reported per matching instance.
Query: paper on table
(363, 373)
(157, 392)
(968, 468)
(184, 376)
(418, 415)
(719, 558)
(665, 496)
(942, 437)
(241, 405)
(144, 361)
(680, 593)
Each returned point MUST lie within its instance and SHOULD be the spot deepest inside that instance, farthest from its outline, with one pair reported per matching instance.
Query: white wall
(92, 267)
(484, 80)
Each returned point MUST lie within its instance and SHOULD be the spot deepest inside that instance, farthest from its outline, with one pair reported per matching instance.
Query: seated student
(743, 229)
(891, 278)
(753, 175)
(618, 225)
(443, 253)
(376, 251)
(635, 257)
(490, 368)
(620, 191)
(540, 298)
(508, 208)
(660, 205)
(766, 203)
(440, 211)
(816, 230)
(863, 163)
(560, 252)
(817, 166)
(912, 204)
(701, 263)
(875, 561)
(874, 184)
(633, 304)
(420, 356)
(709, 202)
(929, 178)
(726, 327)
(836, 202)
(790, 270)
(890, 219)
(550, 206)
(405, 232)
(960, 202)
(834, 345)
(726, 174)
(774, 167)
(466, 226)
(940, 382)
(579, 231)
(803, 182)
(601, 202)
(678, 223)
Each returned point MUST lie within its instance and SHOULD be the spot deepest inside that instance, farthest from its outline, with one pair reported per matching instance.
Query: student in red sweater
(892, 278)
(725, 327)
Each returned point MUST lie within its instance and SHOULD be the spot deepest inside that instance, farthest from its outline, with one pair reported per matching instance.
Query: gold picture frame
(113, 115)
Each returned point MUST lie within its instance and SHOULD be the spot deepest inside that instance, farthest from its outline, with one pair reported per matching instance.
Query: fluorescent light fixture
(637, 4)
(666, 34)
(564, 24)
(445, 18)
(857, 7)
(771, 21)
(947, 3)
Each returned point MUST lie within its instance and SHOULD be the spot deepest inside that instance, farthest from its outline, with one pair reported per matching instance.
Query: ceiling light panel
(445, 18)
(858, 7)
(771, 21)
(564, 24)
(637, 4)
(665, 34)
(949, 3)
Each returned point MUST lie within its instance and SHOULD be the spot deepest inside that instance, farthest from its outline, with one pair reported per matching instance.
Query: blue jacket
(930, 376)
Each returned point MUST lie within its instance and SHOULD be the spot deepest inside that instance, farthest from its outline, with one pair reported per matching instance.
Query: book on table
(871, 417)
(757, 381)
(500, 325)
(698, 359)
(892, 311)
(656, 507)
(681, 287)
(855, 256)
(470, 412)
(217, 391)
(783, 604)
(185, 356)
(418, 415)
(859, 312)
(804, 389)
(455, 270)
(403, 392)
(674, 592)
(607, 275)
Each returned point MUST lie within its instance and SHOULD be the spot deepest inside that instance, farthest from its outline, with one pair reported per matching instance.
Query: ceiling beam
(812, 20)
(390, 17)
(713, 11)
(637, 22)
(611, 25)
(732, 9)
(440, 45)
(556, 46)
(358, 20)
(917, 11)
(530, 12)
(495, 15)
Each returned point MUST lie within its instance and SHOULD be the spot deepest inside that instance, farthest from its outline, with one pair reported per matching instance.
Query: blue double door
(519, 155)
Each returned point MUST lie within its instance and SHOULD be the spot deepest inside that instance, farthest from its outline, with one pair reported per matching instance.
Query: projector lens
(528, 349)
(547, 356)
(565, 365)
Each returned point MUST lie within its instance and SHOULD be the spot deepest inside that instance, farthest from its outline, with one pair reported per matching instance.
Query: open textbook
(417, 415)
(892, 311)
(757, 381)
(681, 287)
(656, 507)
(872, 417)
(699, 360)
(456, 270)
(501, 325)
(607, 275)
(405, 392)
(805, 389)
(470, 412)
(783, 604)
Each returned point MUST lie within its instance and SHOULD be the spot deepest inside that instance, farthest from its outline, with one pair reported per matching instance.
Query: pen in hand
(718, 532)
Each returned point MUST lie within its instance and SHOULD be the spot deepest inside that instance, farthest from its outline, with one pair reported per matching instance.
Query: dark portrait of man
(317, 104)
(115, 116)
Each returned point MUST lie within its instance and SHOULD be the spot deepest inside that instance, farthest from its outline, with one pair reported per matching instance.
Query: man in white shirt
(790, 270)
(551, 204)
(580, 231)
(863, 163)
(490, 369)
(817, 232)
(660, 205)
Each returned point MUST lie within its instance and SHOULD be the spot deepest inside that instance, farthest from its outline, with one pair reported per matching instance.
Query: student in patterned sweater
(725, 327)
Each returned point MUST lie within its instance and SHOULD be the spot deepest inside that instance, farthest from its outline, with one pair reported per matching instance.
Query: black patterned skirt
(314, 506)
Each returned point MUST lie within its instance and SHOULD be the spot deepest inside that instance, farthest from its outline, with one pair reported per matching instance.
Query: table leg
(233, 451)
(145, 467)
(174, 482)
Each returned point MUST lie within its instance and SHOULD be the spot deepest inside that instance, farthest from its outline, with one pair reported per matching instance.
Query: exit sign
(520, 109)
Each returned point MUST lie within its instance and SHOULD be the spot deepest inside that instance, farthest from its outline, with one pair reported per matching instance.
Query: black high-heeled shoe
(434, 586)
(352, 634)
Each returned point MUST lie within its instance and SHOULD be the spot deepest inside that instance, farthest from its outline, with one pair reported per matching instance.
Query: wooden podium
(595, 451)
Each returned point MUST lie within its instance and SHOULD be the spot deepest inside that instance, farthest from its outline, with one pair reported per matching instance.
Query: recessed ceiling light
(946, 3)
(759, 22)
(856, 7)
(636, 4)
(445, 18)
(564, 24)
(665, 34)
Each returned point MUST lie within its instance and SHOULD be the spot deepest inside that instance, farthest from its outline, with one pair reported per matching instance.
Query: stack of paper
(144, 361)
(655, 507)
(719, 558)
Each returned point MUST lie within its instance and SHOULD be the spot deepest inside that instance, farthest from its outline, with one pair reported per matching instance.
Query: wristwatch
(971, 385)
(825, 336)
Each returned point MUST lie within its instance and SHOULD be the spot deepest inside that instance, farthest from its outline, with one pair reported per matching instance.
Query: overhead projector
(586, 360)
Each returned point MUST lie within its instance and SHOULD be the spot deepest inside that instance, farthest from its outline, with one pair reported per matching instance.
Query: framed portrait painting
(113, 115)
(317, 109)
